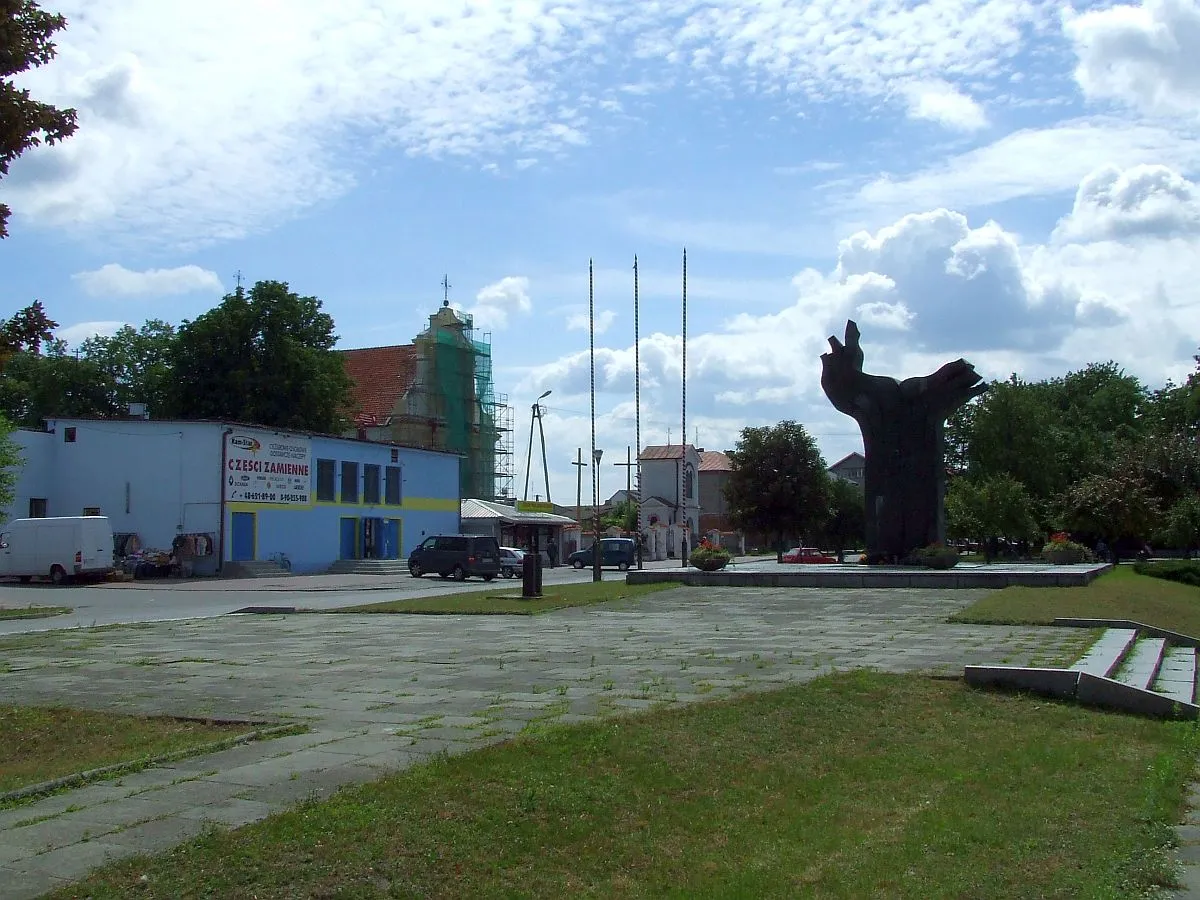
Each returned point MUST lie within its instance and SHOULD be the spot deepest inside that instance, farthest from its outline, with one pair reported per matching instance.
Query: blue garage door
(243, 536)
(349, 542)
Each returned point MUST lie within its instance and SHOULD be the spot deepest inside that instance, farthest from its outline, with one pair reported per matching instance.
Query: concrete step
(1141, 663)
(254, 568)
(369, 567)
(1106, 654)
(1177, 675)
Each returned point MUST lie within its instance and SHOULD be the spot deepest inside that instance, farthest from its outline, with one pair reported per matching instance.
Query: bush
(708, 558)
(935, 556)
(1064, 552)
(1185, 571)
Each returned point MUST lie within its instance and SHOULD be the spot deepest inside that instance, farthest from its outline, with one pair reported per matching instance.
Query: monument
(902, 428)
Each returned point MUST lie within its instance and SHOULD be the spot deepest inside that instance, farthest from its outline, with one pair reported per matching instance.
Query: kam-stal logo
(243, 442)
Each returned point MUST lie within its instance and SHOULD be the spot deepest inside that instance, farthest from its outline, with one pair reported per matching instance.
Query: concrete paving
(382, 692)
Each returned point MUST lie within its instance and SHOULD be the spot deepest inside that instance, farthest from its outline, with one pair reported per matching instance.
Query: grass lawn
(856, 785)
(42, 743)
(509, 602)
(1119, 594)
(32, 612)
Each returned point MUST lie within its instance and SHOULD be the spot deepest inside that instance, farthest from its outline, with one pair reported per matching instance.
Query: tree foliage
(778, 484)
(1110, 506)
(36, 386)
(28, 329)
(136, 362)
(1181, 524)
(10, 462)
(25, 42)
(623, 516)
(989, 508)
(846, 525)
(263, 356)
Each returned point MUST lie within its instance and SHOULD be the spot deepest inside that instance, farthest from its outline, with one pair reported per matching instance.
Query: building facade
(228, 493)
(851, 468)
(670, 490)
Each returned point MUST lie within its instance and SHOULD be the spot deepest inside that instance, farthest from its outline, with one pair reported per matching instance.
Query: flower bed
(708, 558)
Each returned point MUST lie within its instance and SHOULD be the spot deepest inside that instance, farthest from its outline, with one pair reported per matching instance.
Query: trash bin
(531, 576)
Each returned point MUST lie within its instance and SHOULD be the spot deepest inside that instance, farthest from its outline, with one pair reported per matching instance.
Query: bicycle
(281, 560)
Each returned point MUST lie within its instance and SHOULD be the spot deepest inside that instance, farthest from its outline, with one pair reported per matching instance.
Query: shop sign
(533, 506)
(267, 468)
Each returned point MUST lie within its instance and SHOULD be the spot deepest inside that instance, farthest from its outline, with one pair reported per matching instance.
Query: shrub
(935, 556)
(1185, 571)
(1062, 551)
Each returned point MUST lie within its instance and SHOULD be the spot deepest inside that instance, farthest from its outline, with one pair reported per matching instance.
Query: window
(91, 510)
(69, 435)
(370, 484)
(326, 476)
(37, 507)
(349, 482)
(395, 455)
(392, 486)
(689, 481)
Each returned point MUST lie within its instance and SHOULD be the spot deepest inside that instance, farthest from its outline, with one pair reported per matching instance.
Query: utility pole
(579, 465)
(637, 403)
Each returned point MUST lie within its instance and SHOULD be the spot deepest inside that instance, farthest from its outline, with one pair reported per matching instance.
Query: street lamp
(596, 576)
(536, 417)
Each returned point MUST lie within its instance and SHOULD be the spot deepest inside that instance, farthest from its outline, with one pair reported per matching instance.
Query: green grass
(509, 602)
(32, 612)
(1120, 593)
(43, 743)
(855, 785)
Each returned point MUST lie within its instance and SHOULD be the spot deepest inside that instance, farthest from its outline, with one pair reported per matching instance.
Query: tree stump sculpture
(902, 428)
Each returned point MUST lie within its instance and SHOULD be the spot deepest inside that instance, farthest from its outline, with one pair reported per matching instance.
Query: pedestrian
(552, 552)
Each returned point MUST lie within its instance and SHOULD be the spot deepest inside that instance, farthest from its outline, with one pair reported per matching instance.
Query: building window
(37, 507)
(91, 510)
(349, 482)
(69, 435)
(326, 472)
(370, 484)
(392, 485)
(689, 481)
(395, 455)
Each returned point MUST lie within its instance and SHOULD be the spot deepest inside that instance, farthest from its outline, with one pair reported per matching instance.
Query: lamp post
(536, 417)
(596, 454)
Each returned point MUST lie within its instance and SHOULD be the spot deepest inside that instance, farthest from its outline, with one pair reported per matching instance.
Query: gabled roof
(715, 461)
(380, 376)
(487, 509)
(854, 459)
(664, 451)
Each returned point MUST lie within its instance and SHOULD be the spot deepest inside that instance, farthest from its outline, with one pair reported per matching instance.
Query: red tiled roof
(715, 461)
(381, 375)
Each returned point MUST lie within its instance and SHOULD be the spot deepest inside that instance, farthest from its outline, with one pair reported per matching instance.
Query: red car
(807, 555)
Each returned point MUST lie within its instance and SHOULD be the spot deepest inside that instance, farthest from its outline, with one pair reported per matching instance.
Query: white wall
(33, 478)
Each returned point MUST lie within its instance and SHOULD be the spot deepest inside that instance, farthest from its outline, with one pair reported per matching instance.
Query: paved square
(380, 692)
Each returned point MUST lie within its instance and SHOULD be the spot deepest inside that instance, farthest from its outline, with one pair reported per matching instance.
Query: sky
(1010, 181)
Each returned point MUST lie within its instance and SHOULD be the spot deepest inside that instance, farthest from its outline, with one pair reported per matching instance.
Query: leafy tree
(1111, 506)
(25, 42)
(263, 356)
(846, 525)
(10, 462)
(36, 386)
(623, 516)
(28, 329)
(988, 509)
(1015, 433)
(778, 484)
(1181, 524)
(137, 361)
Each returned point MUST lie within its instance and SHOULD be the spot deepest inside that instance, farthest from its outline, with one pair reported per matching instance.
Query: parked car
(511, 561)
(457, 556)
(619, 552)
(57, 548)
(807, 555)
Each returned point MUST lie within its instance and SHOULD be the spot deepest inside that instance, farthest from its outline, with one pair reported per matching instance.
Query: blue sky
(1008, 180)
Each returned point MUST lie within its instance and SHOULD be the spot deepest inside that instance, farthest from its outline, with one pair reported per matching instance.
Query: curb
(136, 765)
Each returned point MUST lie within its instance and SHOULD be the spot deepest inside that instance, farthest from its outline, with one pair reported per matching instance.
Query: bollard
(531, 576)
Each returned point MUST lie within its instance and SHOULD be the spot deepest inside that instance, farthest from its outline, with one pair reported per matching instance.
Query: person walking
(552, 552)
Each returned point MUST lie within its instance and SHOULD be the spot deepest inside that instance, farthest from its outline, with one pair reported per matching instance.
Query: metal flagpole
(683, 408)
(637, 405)
(596, 472)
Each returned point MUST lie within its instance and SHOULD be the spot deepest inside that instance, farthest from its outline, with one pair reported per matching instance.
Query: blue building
(227, 493)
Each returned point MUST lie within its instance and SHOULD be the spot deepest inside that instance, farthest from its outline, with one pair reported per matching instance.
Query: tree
(36, 386)
(263, 357)
(1181, 524)
(623, 516)
(778, 484)
(10, 461)
(137, 361)
(1112, 507)
(988, 509)
(28, 329)
(25, 42)
(847, 522)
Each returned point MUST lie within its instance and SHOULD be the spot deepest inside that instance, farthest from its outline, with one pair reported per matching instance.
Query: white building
(670, 492)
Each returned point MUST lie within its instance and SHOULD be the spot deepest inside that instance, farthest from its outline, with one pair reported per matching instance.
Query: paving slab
(381, 693)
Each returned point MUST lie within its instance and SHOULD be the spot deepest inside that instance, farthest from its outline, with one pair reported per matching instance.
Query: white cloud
(1140, 201)
(114, 280)
(80, 332)
(1146, 56)
(1029, 163)
(943, 103)
(579, 321)
(496, 302)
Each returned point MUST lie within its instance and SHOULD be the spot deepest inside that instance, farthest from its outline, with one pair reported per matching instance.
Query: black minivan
(457, 556)
(619, 552)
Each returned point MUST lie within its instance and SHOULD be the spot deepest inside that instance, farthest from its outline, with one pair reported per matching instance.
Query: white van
(56, 548)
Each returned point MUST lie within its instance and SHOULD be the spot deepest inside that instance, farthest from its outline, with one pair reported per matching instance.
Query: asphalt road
(119, 604)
